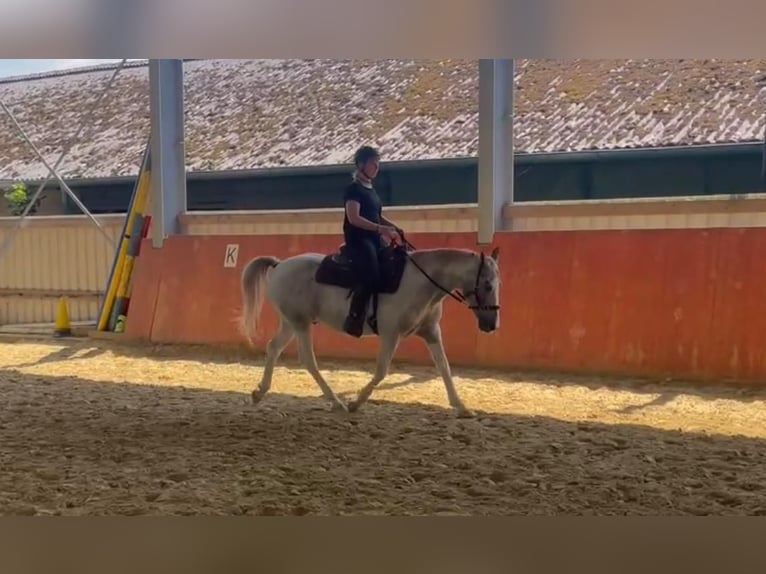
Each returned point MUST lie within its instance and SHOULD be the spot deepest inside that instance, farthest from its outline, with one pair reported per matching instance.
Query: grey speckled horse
(412, 307)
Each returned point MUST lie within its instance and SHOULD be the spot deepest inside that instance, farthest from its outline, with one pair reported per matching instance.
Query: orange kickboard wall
(683, 303)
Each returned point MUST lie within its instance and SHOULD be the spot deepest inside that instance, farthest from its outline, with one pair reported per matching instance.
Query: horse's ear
(495, 254)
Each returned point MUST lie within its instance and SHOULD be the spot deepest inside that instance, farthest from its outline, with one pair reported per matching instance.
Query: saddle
(337, 269)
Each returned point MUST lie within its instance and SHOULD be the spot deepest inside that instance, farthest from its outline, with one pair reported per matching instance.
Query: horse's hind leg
(307, 357)
(273, 351)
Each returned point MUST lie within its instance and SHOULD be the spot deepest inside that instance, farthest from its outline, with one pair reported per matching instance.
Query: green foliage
(18, 197)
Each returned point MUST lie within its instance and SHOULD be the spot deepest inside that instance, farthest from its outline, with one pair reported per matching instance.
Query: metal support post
(168, 175)
(495, 185)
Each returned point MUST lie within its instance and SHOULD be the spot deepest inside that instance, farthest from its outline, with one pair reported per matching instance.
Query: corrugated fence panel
(421, 219)
(553, 216)
(50, 257)
(625, 214)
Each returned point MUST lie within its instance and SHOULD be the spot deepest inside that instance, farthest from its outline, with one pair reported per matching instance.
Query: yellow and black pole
(121, 264)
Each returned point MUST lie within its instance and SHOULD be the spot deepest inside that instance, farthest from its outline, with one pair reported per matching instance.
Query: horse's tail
(253, 285)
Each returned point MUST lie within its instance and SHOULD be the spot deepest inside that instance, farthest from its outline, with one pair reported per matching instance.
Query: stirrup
(353, 326)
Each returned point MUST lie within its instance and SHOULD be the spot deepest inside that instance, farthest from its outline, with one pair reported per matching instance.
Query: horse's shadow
(67, 353)
(661, 400)
(412, 379)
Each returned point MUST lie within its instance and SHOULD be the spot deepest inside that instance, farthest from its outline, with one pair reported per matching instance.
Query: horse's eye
(487, 286)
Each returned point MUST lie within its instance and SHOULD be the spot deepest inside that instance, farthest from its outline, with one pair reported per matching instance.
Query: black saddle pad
(338, 269)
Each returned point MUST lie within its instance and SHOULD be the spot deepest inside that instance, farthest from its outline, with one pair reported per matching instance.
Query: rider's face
(371, 168)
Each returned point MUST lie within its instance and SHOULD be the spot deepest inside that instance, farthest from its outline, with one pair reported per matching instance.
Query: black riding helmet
(364, 154)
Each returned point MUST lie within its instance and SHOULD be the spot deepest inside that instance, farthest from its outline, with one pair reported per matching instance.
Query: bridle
(456, 295)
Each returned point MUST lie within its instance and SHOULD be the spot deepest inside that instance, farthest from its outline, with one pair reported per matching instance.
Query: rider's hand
(389, 234)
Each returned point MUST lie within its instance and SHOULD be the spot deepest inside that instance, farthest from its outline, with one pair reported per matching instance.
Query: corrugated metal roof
(249, 114)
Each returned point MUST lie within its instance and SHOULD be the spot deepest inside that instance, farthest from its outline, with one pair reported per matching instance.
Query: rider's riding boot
(354, 324)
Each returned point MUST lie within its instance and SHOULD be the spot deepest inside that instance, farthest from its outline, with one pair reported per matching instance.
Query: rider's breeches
(365, 256)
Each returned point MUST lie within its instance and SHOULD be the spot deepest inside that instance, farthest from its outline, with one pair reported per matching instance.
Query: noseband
(475, 292)
(457, 295)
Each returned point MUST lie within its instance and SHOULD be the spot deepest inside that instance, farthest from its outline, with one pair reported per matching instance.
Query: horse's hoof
(353, 406)
(339, 408)
(255, 397)
(464, 413)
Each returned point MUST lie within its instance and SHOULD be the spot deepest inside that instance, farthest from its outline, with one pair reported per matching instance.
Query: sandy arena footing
(94, 428)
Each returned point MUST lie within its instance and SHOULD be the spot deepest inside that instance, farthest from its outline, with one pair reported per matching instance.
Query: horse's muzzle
(487, 325)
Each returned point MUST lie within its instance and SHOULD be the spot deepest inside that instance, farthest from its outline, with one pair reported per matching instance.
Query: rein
(456, 295)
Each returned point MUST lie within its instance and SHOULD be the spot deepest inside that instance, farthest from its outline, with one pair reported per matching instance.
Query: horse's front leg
(432, 335)
(307, 357)
(388, 345)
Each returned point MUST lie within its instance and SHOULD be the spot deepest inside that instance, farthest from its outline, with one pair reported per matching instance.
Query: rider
(365, 232)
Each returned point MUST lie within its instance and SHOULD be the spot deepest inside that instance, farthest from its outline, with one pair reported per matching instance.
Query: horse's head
(482, 292)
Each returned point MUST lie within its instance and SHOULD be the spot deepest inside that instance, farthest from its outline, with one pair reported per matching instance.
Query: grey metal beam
(168, 174)
(495, 172)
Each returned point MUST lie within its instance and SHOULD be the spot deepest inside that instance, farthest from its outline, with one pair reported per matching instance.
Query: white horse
(412, 306)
